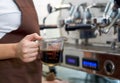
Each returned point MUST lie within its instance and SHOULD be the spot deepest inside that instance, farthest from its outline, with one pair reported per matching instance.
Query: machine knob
(109, 67)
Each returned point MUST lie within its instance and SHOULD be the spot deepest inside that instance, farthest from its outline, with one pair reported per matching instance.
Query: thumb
(33, 37)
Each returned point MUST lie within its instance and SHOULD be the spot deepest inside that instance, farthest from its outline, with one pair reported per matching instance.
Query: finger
(30, 55)
(31, 50)
(30, 59)
(33, 37)
(34, 44)
(31, 44)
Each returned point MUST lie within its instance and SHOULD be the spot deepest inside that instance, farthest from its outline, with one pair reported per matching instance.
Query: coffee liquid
(51, 57)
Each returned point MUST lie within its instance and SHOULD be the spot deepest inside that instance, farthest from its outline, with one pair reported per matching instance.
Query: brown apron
(14, 70)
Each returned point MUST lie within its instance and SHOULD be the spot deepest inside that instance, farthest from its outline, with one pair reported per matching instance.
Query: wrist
(15, 50)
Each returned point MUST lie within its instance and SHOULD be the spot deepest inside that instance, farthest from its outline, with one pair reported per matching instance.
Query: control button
(109, 67)
(72, 60)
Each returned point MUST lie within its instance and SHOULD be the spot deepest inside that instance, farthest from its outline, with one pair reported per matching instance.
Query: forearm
(26, 49)
(7, 51)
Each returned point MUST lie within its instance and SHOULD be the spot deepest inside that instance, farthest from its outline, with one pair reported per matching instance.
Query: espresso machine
(97, 49)
(92, 56)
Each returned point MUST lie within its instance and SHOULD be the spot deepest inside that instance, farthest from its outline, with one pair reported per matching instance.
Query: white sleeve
(10, 17)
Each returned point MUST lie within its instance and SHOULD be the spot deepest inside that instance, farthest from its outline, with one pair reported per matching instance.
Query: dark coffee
(51, 57)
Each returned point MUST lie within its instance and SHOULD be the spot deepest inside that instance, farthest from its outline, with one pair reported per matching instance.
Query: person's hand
(27, 49)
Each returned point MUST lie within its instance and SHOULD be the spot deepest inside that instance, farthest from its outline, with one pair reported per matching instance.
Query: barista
(18, 20)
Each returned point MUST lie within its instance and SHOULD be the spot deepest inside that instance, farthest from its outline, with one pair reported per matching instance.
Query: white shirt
(10, 17)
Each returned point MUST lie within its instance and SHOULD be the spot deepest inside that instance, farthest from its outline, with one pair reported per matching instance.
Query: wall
(41, 7)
